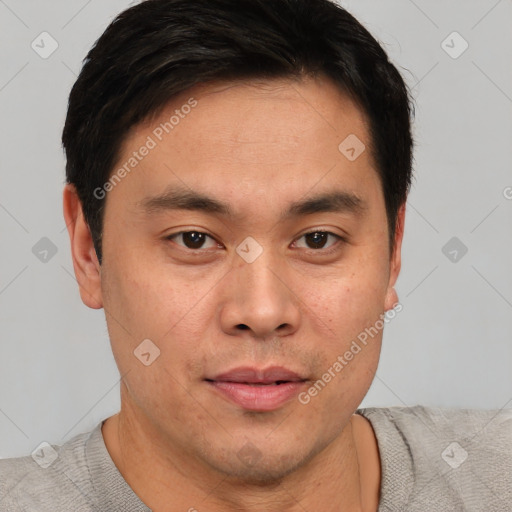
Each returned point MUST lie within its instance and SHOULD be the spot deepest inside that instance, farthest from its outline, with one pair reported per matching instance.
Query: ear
(395, 260)
(85, 262)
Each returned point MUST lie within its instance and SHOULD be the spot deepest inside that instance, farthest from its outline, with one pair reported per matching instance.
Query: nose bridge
(258, 296)
(258, 278)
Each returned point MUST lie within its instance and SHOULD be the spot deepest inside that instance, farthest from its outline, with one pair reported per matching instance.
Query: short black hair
(160, 48)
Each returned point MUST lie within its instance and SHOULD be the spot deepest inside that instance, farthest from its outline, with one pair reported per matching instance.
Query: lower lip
(258, 397)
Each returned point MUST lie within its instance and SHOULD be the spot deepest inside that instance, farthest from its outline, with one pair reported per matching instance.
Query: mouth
(258, 390)
(276, 383)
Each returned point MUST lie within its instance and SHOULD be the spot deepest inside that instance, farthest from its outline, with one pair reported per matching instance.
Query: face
(280, 267)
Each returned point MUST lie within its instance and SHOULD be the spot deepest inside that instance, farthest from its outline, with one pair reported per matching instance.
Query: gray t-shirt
(433, 459)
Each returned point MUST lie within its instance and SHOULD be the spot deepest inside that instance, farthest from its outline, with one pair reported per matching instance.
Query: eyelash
(340, 240)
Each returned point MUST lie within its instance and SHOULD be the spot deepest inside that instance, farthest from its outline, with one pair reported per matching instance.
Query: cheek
(147, 302)
(347, 308)
(153, 299)
(144, 306)
(349, 301)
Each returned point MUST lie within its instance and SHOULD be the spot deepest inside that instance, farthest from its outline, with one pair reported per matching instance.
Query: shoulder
(52, 479)
(484, 434)
(445, 457)
(441, 418)
(473, 425)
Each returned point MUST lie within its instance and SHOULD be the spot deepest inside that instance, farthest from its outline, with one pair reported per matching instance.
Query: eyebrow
(179, 198)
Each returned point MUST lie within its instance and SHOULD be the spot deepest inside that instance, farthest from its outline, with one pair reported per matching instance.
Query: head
(237, 176)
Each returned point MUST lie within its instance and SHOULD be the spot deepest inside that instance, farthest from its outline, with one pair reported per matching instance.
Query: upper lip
(255, 375)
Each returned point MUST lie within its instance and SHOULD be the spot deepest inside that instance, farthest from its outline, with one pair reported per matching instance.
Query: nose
(259, 299)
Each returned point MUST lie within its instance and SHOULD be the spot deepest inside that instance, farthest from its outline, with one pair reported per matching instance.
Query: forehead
(244, 136)
(278, 112)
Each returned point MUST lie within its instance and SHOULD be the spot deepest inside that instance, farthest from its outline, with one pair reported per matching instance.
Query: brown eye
(191, 239)
(318, 239)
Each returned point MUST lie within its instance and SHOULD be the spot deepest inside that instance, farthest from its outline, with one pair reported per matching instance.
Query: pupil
(318, 243)
(195, 238)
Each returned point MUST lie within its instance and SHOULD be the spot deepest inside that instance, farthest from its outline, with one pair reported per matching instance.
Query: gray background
(451, 344)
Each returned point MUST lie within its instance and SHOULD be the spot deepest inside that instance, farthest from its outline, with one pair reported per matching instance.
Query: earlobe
(85, 261)
(396, 260)
(391, 299)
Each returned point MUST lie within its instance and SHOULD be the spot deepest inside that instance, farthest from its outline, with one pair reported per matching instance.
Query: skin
(258, 147)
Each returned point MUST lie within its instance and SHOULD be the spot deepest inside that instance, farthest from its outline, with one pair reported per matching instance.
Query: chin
(260, 474)
(250, 466)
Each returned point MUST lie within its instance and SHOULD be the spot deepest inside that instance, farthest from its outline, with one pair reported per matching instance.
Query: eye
(318, 239)
(192, 239)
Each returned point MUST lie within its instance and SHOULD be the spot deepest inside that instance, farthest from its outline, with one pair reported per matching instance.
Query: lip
(248, 374)
(258, 389)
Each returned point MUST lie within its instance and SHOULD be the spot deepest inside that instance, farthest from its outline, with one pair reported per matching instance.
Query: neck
(345, 476)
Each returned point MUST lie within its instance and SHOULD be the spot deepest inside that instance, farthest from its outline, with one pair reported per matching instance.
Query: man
(237, 178)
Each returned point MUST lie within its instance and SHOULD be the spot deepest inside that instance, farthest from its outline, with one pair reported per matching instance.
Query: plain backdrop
(450, 346)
